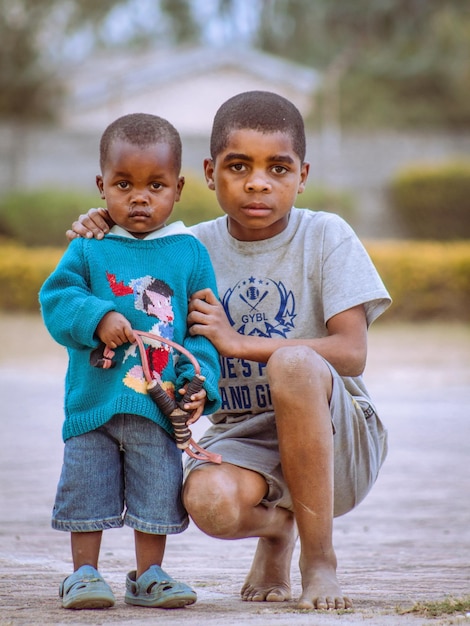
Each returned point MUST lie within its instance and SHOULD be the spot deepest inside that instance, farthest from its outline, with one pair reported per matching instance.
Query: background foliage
(40, 217)
(427, 280)
(433, 200)
(34, 38)
(392, 63)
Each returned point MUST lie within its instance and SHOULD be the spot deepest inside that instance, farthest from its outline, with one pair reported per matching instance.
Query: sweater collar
(177, 228)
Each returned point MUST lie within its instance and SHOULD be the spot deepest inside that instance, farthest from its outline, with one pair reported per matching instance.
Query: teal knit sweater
(150, 282)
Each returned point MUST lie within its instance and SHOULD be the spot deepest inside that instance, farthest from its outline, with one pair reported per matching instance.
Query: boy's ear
(209, 173)
(99, 184)
(179, 188)
(303, 177)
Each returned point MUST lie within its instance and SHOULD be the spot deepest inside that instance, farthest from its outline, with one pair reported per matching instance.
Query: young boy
(121, 463)
(300, 437)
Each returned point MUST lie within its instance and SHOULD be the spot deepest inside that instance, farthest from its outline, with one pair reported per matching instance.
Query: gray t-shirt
(287, 286)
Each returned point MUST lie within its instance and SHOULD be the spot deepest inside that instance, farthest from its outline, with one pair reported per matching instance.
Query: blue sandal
(86, 589)
(155, 588)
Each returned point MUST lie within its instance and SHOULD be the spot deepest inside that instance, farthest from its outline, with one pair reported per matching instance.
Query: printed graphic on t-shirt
(257, 307)
(260, 306)
(153, 297)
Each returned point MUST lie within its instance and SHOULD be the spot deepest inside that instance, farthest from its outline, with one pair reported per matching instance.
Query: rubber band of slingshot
(194, 450)
(173, 344)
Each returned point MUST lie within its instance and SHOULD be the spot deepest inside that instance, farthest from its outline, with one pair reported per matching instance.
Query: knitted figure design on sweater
(153, 297)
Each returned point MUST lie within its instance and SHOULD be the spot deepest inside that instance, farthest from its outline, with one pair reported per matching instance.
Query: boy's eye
(237, 167)
(123, 184)
(279, 169)
(156, 185)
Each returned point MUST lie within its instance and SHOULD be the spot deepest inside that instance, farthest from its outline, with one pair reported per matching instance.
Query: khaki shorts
(360, 448)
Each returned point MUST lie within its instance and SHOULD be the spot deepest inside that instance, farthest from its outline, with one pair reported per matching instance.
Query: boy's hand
(207, 317)
(114, 330)
(96, 223)
(195, 406)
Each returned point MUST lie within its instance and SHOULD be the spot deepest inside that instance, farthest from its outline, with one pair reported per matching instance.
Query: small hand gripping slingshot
(169, 406)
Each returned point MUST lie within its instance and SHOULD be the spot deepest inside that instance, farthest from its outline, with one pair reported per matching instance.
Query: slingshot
(169, 406)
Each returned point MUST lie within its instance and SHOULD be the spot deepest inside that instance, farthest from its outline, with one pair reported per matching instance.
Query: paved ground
(408, 542)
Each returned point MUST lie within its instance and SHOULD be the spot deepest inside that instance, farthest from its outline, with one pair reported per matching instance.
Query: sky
(137, 14)
(140, 16)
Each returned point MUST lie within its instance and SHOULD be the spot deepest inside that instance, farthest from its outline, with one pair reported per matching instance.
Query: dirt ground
(408, 542)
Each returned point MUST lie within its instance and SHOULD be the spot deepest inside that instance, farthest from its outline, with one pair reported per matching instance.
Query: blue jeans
(129, 471)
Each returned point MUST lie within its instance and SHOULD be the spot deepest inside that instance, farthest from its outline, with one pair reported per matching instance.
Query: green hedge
(427, 280)
(40, 217)
(22, 272)
(433, 201)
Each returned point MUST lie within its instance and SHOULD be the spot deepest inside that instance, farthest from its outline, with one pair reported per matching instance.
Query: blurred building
(185, 86)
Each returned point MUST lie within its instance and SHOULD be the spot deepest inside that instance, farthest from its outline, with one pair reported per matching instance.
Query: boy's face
(140, 186)
(256, 178)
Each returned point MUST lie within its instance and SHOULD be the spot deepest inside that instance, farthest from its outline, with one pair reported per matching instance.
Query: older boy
(300, 437)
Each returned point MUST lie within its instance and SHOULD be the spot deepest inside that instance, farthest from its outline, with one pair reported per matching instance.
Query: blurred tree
(39, 37)
(402, 61)
(32, 36)
(184, 25)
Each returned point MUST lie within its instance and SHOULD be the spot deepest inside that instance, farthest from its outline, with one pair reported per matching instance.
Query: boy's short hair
(262, 111)
(142, 130)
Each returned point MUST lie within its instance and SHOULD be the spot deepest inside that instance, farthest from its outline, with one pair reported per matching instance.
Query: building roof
(185, 85)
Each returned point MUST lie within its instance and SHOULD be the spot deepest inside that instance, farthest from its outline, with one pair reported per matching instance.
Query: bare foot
(269, 577)
(321, 590)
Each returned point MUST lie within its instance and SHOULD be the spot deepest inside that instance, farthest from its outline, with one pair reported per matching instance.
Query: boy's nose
(257, 183)
(140, 196)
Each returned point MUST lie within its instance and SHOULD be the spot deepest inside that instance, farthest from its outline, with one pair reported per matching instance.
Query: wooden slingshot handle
(169, 407)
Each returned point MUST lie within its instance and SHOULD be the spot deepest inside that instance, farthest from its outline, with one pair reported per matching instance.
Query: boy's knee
(212, 502)
(298, 371)
(295, 364)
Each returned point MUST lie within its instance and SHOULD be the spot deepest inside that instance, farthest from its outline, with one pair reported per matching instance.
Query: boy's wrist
(236, 345)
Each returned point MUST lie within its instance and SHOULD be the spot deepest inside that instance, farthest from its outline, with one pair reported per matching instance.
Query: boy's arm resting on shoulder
(94, 224)
(345, 346)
